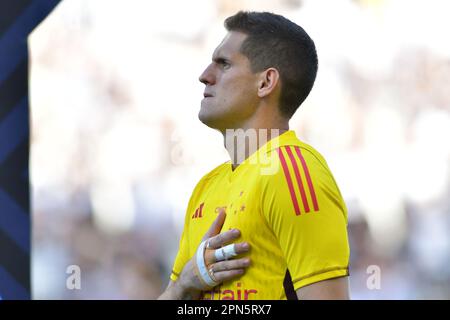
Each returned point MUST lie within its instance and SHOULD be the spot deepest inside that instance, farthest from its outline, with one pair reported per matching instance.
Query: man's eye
(224, 64)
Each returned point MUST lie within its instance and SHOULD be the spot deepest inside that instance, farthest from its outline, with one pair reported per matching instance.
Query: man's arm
(311, 233)
(172, 293)
(332, 289)
(175, 291)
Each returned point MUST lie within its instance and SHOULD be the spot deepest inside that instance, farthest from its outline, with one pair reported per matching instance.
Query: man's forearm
(176, 291)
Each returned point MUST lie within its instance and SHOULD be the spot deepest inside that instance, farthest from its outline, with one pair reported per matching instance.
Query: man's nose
(207, 76)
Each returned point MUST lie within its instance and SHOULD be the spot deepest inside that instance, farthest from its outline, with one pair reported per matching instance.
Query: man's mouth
(207, 95)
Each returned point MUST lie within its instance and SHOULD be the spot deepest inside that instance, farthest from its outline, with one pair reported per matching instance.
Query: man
(277, 195)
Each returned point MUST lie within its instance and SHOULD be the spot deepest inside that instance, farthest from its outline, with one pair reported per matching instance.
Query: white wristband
(203, 271)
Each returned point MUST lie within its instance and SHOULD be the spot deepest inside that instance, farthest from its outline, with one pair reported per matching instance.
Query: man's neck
(243, 142)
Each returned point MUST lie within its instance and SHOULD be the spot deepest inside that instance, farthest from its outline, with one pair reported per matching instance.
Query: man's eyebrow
(220, 59)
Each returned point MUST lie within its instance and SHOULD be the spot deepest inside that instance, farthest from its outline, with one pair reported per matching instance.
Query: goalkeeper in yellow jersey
(273, 214)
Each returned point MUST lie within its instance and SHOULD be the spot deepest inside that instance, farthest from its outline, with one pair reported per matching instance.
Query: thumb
(216, 226)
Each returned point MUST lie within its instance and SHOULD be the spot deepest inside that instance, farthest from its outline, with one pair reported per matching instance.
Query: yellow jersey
(288, 207)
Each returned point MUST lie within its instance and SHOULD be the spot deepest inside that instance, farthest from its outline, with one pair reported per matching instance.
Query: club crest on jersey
(198, 212)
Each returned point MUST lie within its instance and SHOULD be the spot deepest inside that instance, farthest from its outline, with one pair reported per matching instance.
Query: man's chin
(205, 119)
(210, 120)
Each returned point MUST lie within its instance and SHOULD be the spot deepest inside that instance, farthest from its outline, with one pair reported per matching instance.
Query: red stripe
(308, 179)
(201, 210)
(289, 181)
(299, 179)
(195, 214)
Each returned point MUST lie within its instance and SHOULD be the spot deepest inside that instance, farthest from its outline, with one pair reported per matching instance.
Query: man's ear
(268, 82)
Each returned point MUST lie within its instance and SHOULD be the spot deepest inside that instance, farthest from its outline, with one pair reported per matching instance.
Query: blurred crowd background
(117, 148)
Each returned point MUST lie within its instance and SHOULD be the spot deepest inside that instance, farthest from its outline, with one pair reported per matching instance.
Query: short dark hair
(274, 41)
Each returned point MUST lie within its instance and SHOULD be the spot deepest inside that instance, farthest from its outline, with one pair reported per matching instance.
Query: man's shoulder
(214, 173)
(296, 156)
(302, 177)
(220, 169)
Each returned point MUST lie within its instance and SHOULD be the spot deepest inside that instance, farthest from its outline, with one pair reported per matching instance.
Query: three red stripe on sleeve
(298, 178)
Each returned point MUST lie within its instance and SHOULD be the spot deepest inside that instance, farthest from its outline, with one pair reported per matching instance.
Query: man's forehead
(230, 44)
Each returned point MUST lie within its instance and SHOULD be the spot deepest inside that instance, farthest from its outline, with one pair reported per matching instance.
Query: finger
(223, 238)
(225, 253)
(222, 276)
(239, 248)
(216, 226)
(230, 265)
(242, 247)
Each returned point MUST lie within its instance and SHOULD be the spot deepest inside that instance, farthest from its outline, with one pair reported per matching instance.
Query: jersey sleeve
(303, 205)
(182, 256)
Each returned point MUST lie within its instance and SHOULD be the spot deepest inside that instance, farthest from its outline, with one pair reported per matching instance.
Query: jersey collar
(286, 138)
